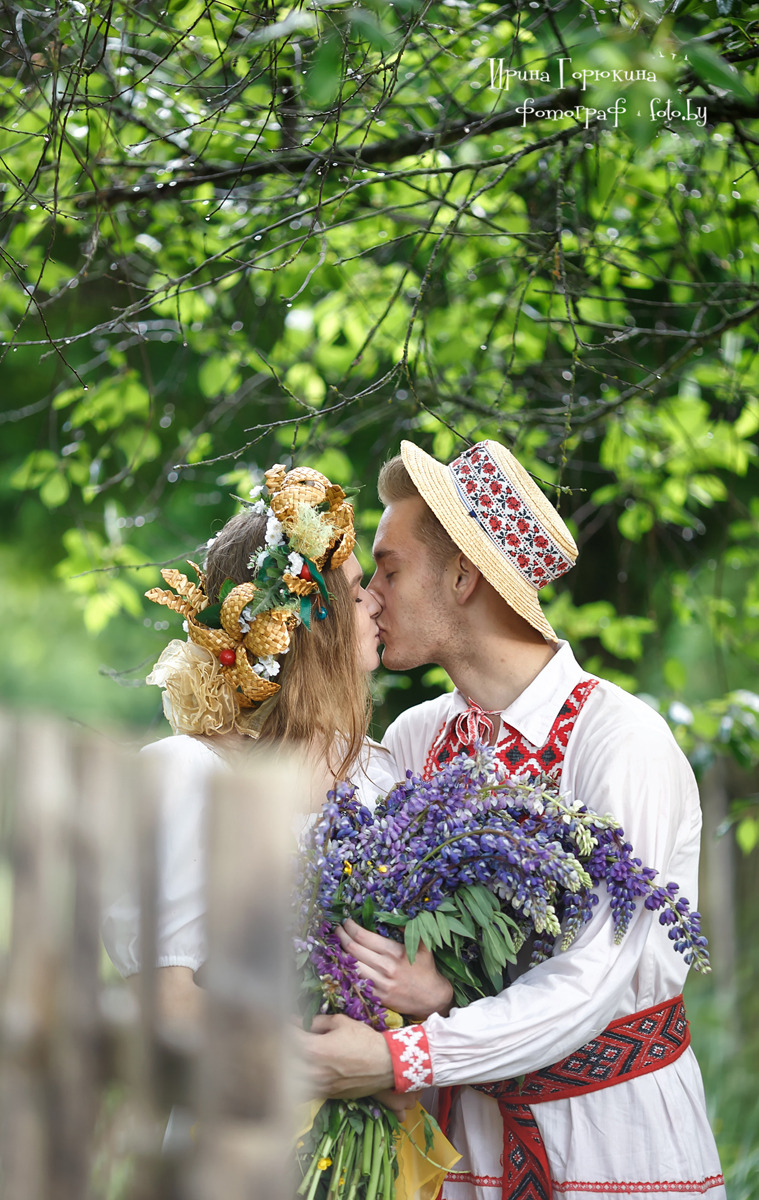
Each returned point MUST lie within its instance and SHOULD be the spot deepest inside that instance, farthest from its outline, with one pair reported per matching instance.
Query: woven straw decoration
(175, 603)
(342, 518)
(270, 632)
(285, 504)
(191, 598)
(214, 640)
(274, 477)
(234, 603)
(300, 587)
(254, 687)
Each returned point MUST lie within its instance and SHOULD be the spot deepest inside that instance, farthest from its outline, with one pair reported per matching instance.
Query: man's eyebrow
(380, 553)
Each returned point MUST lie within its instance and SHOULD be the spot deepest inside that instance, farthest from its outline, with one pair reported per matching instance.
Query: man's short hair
(394, 484)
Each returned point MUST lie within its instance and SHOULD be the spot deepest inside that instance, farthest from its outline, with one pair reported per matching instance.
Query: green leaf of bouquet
(356, 1122)
(391, 918)
(411, 938)
(367, 913)
(505, 926)
(480, 904)
(335, 1118)
(431, 1127)
(429, 930)
(457, 926)
(496, 946)
(443, 928)
(312, 1007)
(454, 967)
(466, 917)
(491, 955)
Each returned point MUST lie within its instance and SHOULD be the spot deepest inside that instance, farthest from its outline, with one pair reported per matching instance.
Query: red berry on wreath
(227, 657)
(305, 573)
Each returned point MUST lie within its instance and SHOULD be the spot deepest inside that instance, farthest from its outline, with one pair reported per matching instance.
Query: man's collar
(536, 708)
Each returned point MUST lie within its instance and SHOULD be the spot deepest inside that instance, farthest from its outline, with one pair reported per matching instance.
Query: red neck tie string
(472, 725)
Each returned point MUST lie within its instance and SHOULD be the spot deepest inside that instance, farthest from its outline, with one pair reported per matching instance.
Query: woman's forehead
(353, 569)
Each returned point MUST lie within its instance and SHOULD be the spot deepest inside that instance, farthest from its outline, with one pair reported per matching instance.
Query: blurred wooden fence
(88, 1070)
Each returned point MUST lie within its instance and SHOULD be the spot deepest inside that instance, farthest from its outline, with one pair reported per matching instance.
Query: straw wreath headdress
(232, 657)
(497, 515)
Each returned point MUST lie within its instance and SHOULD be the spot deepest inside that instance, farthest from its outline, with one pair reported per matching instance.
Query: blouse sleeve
(643, 779)
(185, 765)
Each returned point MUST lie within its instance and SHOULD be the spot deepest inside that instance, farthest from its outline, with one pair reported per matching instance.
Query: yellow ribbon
(420, 1172)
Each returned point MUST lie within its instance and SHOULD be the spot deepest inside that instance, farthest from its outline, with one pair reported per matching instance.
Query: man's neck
(494, 673)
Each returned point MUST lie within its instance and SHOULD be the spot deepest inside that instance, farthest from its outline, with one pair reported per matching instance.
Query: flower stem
(377, 1157)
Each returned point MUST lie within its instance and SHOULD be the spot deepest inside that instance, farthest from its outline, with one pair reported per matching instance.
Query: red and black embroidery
(518, 755)
(493, 501)
(627, 1048)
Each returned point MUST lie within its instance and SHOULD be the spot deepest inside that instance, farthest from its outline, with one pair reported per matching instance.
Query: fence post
(244, 1084)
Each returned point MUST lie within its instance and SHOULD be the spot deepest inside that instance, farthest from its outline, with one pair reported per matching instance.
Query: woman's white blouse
(187, 764)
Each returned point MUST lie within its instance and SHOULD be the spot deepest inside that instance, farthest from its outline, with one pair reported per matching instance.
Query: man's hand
(344, 1058)
(416, 989)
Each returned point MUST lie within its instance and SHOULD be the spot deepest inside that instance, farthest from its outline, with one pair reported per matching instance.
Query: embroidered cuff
(412, 1065)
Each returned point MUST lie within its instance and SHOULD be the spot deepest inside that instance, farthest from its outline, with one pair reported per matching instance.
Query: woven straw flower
(315, 514)
(248, 687)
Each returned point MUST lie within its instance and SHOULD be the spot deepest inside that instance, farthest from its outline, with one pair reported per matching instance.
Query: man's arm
(560, 1004)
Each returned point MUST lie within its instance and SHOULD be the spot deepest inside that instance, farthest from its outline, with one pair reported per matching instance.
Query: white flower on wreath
(295, 562)
(245, 620)
(267, 666)
(259, 508)
(275, 531)
(255, 492)
(258, 559)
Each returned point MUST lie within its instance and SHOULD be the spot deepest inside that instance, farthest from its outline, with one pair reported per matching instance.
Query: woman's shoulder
(182, 760)
(181, 747)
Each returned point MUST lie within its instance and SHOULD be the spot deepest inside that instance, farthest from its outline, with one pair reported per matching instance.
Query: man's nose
(373, 592)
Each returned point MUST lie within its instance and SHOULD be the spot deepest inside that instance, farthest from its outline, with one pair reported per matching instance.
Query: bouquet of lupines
(471, 865)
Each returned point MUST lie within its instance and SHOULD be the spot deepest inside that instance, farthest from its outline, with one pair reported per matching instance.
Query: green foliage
(249, 235)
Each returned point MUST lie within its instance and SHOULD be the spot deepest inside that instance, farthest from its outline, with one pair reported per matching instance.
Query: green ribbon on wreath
(305, 601)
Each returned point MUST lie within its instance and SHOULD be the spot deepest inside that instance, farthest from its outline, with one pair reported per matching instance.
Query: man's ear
(466, 578)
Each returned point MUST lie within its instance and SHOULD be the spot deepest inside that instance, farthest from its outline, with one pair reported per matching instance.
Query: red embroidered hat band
(495, 513)
(506, 517)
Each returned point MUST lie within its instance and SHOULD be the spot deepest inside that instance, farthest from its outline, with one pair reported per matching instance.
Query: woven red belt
(627, 1048)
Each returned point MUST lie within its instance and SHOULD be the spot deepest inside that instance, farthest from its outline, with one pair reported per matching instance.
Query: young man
(612, 1103)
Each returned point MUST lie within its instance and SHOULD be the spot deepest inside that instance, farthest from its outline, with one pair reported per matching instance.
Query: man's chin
(393, 660)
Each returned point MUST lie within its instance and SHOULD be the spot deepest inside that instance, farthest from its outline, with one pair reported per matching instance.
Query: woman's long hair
(323, 703)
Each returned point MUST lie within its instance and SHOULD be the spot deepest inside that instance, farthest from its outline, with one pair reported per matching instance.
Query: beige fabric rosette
(197, 697)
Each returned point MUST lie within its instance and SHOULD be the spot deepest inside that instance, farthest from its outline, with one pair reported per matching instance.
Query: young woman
(281, 640)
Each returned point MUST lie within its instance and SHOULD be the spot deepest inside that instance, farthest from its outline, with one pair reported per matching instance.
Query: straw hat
(494, 512)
